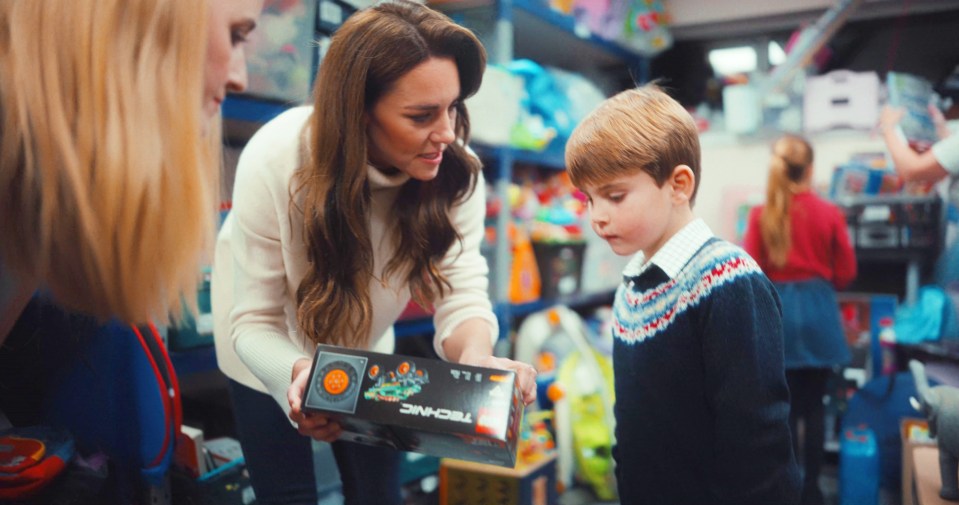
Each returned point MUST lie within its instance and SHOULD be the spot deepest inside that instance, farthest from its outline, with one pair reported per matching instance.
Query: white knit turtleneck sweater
(261, 258)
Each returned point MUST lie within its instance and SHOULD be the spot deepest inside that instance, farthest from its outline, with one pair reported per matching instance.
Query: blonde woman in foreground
(108, 150)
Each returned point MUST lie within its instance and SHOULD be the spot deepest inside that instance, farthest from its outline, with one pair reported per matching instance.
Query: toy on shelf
(563, 6)
(646, 27)
(553, 102)
(587, 380)
(940, 404)
(546, 235)
(859, 466)
(865, 174)
(580, 393)
(535, 440)
(542, 342)
(280, 51)
(638, 25)
(542, 109)
(557, 235)
(525, 282)
(495, 108)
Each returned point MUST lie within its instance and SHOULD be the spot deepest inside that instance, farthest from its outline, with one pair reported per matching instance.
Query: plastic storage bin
(560, 267)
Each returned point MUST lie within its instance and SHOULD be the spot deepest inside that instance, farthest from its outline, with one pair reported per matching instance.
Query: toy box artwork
(418, 404)
(914, 94)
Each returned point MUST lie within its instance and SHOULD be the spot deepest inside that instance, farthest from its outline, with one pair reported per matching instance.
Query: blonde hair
(791, 158)
(371, 51)
(638, 129)
(107, 186)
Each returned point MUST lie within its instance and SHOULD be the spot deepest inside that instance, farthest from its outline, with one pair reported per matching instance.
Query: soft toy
(940, 405)
(31, 458)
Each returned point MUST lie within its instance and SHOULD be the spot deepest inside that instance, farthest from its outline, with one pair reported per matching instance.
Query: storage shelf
(552, 157)
(573, 301)
(545, 35)
(252, 108)
(536, 11)
(424, 325)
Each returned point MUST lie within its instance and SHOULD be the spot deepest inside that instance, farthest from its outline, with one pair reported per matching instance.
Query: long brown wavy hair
(368, 54)
(792, 157)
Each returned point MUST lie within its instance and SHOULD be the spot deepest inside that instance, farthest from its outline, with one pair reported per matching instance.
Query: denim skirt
(812, 330)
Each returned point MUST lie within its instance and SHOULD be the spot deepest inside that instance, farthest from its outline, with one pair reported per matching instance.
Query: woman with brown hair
(801, 243)
(342, 213)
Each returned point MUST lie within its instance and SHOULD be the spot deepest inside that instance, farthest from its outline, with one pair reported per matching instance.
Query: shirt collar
(675, 253)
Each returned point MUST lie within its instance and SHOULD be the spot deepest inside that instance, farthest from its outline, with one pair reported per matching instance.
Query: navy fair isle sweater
(702, 405)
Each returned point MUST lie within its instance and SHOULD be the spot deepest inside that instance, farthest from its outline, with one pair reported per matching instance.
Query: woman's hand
(469, 344)
(317, 426)
(525, 374)
(890, 117)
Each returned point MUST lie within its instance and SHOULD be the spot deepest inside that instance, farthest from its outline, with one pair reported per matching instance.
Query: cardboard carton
(468, 483)
(914, 433)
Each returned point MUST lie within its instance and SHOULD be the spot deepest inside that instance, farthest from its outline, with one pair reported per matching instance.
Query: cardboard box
(223, 450)
(927, 478)
(188, 453)
(465, 483)
(418, 404)
(910, 430)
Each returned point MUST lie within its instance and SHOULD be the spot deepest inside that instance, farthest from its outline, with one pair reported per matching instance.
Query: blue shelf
(576, 300)
(252, 109)
(424, 325)
(567, 24)
(553, 157)
(550, 158)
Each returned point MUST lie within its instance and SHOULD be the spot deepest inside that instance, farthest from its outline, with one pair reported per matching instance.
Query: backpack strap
(162, 367)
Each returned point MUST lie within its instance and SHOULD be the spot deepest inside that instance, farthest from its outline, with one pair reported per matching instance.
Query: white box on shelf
(841, 99)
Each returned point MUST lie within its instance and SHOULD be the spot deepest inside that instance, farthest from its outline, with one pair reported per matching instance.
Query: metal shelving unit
(551, 38)
(545, 35)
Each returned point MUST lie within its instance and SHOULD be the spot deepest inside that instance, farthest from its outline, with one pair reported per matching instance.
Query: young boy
(702, 406)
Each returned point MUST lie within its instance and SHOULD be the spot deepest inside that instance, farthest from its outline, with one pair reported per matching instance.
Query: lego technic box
(418, 404)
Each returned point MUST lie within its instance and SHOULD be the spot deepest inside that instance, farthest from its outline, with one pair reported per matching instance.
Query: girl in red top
(802, 244)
